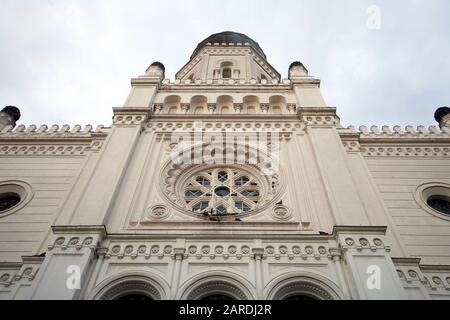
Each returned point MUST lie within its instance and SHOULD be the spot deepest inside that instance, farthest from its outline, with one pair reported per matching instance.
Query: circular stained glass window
(222, 191)
(440, 203)
(8, 201)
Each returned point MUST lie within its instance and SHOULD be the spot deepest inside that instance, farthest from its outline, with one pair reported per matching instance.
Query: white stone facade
(344, 207)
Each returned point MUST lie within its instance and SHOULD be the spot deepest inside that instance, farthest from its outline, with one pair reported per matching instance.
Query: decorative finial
(297, 69)
(9, 116)
(442, 116)
(156, 69)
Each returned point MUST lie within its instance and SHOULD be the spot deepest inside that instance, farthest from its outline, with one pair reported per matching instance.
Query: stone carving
(206, 249)
(296, 250)
(131, 286)
(364, 242)
(377, 242)
(245, 249)
(322, 250)
(129, 249)
(142, 249)
(349, 241)
(281, 212)
(4, 277)
(27, 271)
(74, 241)
(168, 250)
(158, 212)
(437, 280)
(283, 250)
(309, 250)
(88, 241)
(270, 250)
(219, 250)
(412, 274)
(155, 249)
(115, 249)
(217, 286)
(192, 249)
(232, 249)
(60, 241)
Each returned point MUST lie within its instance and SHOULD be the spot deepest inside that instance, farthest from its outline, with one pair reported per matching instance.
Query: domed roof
(229, 37)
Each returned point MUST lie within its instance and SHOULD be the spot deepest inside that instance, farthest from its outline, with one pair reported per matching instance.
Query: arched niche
(250, 104)
(224, 104)
(277, 104)
(172, 104)
(199, 104)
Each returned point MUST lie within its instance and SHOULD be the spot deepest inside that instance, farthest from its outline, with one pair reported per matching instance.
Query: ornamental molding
(281, 212)
(303, 288)
(25, 272)
(132, 287)
(171, 124)
(66, 149)
(318, 116)
(409, 150)
(174, 177)
(70, 238)
(216, 287)
(131, 116)
(143, 251)
(158, 212)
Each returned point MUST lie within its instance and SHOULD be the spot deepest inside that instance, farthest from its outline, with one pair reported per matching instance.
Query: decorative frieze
(405, 151)
(318, 116)
(199, 251)
(131, 116)
(47, 150)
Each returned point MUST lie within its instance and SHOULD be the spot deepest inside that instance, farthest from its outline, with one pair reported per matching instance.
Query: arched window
(226, 73)
(198, 110)
(226, 190)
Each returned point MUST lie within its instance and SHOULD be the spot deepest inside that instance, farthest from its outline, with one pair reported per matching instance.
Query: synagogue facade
(228, 182)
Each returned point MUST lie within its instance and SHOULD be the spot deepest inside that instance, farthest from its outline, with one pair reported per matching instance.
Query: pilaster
(367, 259)
(66, 268)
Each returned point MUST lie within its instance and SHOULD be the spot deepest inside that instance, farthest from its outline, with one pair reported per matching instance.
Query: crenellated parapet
(398, 131)
(52, 131)
(52, 140)
(397, 140)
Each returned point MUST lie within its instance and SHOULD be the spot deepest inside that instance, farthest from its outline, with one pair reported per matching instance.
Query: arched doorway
(217, 297)
(137, 286)
(134, 297)
(303, 287)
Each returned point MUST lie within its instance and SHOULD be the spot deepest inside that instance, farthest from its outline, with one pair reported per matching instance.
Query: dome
(229, 37)
(12, 111)
(440, 113)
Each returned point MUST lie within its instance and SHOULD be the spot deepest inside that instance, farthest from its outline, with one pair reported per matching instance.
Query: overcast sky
(71, 61)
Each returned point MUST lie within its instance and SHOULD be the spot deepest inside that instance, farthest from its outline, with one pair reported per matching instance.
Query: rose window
(222, 191)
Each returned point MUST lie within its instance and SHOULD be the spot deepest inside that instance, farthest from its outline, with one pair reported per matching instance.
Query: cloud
(70, 61)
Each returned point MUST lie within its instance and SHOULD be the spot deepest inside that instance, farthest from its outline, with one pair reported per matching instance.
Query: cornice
(100, 229)
(360, 230)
